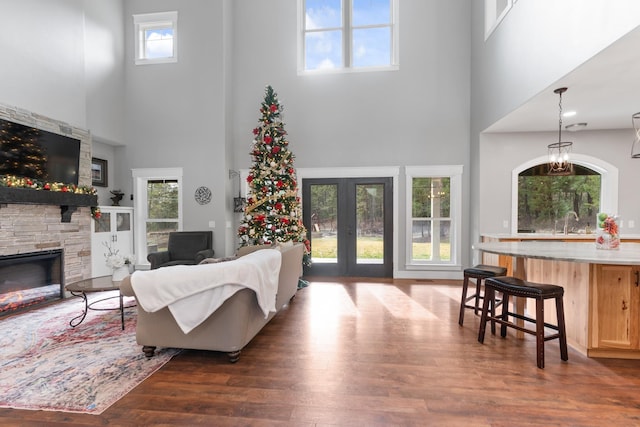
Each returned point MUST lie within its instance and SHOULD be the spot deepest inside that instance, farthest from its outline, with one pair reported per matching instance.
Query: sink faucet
(566, 221)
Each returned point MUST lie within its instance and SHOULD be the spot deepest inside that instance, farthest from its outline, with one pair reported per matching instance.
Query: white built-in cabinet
(114, 229)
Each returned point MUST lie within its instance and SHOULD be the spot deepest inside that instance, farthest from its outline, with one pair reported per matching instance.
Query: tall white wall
(42, 65)
(363, 118)
(175, 113)
(231, 241)
(104, 69)
(63, 59)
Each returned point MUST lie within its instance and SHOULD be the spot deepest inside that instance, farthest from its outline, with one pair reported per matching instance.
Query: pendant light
(559, 162)
(635, 148)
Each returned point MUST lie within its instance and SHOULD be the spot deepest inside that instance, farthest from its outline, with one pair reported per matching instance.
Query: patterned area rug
(46, 364)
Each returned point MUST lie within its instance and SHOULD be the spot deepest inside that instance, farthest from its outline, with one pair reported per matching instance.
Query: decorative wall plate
(203, 195)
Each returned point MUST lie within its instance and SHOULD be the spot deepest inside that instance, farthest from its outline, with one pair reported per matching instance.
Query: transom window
(156, 37)
(348, 34)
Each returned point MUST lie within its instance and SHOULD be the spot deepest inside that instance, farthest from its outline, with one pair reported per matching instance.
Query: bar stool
(511, 286)
(479, 273)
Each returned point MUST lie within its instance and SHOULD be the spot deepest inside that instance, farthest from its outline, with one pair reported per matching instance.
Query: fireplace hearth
(29, 280)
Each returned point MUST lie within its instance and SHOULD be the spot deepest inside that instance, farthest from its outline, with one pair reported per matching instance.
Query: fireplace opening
(29, 280)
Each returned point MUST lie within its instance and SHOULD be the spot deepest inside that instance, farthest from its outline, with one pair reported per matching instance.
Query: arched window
(550, 204)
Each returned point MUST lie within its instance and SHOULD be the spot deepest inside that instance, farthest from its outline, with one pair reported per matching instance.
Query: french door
(350, 224)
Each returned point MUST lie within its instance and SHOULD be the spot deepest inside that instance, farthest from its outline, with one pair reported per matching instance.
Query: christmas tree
(273, 212)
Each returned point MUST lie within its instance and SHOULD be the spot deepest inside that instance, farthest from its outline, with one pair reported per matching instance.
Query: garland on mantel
(34, 184)
(12, 181)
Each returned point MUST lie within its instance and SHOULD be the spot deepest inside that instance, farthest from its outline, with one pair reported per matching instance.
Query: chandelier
(635, 148)
(559, 162)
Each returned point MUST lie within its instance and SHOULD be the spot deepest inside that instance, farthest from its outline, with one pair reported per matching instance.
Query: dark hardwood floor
(351, 352)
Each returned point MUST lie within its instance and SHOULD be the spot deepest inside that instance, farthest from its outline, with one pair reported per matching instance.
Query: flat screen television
(38, 154)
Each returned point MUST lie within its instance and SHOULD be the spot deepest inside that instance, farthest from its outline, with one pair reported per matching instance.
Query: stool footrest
(499, 320)
(528, 319)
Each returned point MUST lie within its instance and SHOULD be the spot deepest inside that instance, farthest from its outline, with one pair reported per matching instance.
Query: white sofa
(232, 326)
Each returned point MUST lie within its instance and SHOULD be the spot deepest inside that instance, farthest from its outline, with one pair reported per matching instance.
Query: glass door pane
(123, 221)
(369, 223)
(324, 223)
(103, 224)
(350, 224)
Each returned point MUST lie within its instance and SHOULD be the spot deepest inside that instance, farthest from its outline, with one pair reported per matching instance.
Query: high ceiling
(604, 91)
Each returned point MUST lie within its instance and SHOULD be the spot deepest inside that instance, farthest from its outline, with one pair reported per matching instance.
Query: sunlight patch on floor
(455, 293)
(329, 305)
(399, 304)
(330, 299)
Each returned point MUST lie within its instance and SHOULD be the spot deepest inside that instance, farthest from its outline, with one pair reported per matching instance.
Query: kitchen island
(602, 289)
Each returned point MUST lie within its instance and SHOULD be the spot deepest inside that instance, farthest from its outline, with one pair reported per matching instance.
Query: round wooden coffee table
(95, 284)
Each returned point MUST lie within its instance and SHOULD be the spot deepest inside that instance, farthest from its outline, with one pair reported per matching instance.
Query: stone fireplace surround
(26, 227)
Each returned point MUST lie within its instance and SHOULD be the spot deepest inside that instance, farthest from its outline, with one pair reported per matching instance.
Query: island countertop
(507, 237)
(627, 254)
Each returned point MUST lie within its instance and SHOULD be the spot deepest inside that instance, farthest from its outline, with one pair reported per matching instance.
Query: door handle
(637, 278)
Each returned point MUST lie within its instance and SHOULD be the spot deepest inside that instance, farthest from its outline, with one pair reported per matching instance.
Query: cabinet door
(617, 307)
(101, 237)
(114, 229)
(123, 230)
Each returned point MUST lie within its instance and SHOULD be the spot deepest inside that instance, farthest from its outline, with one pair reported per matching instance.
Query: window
(574, 193)
(156, 37)
(546, 204)
(158, 205)
(348, 35)
(494, 13)
(434, 197)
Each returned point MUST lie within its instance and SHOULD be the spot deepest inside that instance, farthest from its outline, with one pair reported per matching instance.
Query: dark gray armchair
(184, 247)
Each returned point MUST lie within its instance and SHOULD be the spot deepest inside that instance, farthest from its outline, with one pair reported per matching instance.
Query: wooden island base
(601, 300)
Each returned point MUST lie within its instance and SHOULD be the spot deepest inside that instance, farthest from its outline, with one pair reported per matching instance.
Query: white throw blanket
(193, 292)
